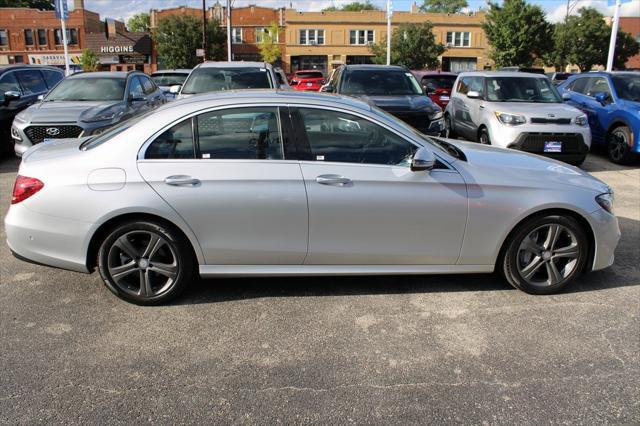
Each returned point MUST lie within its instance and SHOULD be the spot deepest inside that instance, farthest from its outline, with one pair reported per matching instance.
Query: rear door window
(578, 85)
(52, 77)
(176, 142)
(31, 81)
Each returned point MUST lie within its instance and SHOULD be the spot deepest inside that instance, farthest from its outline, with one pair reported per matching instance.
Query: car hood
(64, 112)
(402, 103)
(559, 110)
(509, 165)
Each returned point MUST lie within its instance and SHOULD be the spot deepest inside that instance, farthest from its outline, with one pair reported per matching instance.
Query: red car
(308, 80)
(437, 85)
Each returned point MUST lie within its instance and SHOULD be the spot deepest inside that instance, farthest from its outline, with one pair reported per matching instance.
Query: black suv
(392, 88)
(20, 86)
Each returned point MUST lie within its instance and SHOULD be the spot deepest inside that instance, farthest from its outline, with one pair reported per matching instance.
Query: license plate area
(552, 146)
(309, 84)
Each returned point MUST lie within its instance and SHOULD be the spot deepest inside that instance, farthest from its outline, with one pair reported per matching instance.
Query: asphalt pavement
(369, 350)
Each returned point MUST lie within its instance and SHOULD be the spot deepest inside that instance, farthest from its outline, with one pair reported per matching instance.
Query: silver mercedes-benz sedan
(284, 183)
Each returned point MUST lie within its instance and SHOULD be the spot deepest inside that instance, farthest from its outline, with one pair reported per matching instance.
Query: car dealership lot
(455, 349)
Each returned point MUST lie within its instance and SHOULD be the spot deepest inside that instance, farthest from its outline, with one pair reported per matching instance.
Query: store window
(72, 36)
(361, 37)
(459, 38)
(236, 35)
(42, 37)
(4, 39)
(260, 32)
(28, 37)
(311, 36)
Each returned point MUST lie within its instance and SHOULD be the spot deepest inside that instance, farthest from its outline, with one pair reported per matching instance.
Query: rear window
(310, 74)
(439, 82)
(204, 80)
(169, 79)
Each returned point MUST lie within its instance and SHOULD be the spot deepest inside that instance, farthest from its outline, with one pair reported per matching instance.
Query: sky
(555, 9)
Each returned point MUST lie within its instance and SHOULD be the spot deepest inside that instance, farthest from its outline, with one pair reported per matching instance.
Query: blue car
(611, 100)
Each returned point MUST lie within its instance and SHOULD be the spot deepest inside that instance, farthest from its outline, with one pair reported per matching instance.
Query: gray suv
(85, 104)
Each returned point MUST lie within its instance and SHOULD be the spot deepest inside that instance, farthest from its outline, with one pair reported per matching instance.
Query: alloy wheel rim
(142, 264)
(548, 255)
(618, 145)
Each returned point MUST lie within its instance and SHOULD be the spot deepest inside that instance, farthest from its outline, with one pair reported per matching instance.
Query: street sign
(62, 9)
(199, 53)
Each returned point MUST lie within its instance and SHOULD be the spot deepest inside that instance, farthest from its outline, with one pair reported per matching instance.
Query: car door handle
(181, 180)
(334, 180)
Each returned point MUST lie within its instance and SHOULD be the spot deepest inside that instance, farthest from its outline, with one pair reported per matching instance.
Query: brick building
(631, 25)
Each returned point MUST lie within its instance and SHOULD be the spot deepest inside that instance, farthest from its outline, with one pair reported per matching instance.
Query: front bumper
(607, 235)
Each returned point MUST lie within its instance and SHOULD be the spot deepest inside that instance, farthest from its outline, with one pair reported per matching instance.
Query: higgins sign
(116, 49)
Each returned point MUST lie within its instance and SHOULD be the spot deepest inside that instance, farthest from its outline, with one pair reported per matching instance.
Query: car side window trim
(611, 92)
(193, 117)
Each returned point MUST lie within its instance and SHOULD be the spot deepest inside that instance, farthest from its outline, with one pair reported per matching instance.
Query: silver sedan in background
(283, 183)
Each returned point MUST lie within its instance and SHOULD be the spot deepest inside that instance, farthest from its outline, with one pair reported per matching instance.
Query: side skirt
(212, 271)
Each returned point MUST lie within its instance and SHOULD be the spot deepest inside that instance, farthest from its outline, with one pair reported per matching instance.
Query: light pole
(229, 30)
(614, 35)
(389, 32)
(204, 32)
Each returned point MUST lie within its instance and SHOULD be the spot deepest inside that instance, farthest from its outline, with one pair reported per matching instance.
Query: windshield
(380, 83)
(204, 80)
(521, 89)
(88, 89)
(169, 79)
(627, 87)
(310, 74)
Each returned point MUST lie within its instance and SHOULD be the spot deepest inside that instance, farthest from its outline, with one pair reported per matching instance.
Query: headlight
(14, 134)
(606, 201)
(101, 117)
(510, 119)
(581, 120)
(436, 116)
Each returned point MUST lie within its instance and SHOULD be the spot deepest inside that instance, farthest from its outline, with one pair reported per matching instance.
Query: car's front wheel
(483, 136)
(545, 254)
(145, 262)
(618, 145)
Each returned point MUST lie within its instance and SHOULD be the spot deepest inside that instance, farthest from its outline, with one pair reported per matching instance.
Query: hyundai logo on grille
(53, 131)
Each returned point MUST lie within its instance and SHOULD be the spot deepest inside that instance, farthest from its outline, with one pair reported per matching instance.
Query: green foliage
(139, 23)
(269, 48)
(178, 37)
(517, 32)
(588, 38)
(412, 45)
(89, 60)
(34, 4)
(355, 6)
(443, 6)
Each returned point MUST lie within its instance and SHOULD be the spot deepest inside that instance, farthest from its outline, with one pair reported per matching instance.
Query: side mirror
(139, 98)
(11, 95)
(423, 160)
(472, 94)
(327, 88)
(566, 96)
(175, 89)
(602, 97)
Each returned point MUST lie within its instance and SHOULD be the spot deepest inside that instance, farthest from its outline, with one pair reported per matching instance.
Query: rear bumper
(47, 240)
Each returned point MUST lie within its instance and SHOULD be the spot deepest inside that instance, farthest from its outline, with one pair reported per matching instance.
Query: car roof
(233, 64)
(104, 74)
(430, 73)
(500, 74)
(173, 71)
(4, 68)
(375, 67)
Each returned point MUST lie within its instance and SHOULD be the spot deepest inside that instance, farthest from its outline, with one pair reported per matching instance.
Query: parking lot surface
(375, 350)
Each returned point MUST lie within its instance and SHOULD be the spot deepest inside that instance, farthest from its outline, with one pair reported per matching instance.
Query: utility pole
(62, 13)
(614, 35)
(204, 32)
(229, 30)
(389, 32)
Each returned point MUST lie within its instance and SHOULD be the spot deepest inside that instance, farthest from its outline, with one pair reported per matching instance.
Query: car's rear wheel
(545, 254)
(483, 136)
(145, 262)
(448, 128)
(618, 146)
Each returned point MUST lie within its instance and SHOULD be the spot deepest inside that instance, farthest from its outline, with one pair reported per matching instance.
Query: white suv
(517, 110)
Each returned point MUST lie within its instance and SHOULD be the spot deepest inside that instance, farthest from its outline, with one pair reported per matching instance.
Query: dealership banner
(45, 59)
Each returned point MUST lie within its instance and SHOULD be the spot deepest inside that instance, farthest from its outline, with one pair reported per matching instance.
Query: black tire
(527, 258)
(483, 136)
(140, 252)
(448, 128)
(618, 147)
(578, 162)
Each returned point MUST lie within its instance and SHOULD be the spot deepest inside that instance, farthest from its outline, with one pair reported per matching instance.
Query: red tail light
(24, 188)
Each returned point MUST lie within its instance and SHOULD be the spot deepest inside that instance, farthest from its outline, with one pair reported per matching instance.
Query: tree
(412, 45)
(139, 23)
(178, 37)
(89, 61)
(269, 48)
(517, 32)
(589, 41)
(33, 4)
(355, 6)
(443, 6)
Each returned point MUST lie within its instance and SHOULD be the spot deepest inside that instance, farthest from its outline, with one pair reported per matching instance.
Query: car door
(366, 206)
(597, 113)
(465, 108)
(227, 173)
